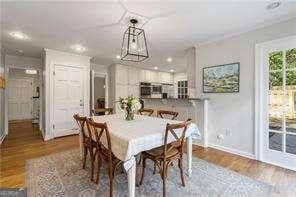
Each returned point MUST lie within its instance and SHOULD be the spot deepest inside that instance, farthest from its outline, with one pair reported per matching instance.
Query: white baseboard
(198, 143)
(233, 151)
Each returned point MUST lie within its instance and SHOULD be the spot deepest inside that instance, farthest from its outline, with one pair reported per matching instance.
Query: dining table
(129, 138)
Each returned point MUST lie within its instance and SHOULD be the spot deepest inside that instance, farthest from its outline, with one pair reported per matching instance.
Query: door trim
(259, 125)
(6, 75)
(99, 74)
(86, 83)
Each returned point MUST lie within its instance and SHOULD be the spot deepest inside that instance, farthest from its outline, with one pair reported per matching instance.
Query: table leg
(131, 178)
(189, 155)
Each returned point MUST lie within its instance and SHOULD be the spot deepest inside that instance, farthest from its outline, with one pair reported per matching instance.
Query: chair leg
(92, 163)
(111, 183)
(164, 177)
(84, 157)
(164, 187)
(143, 170)
(99, 169)
(140, 159)
(181, 172)
(154, 169)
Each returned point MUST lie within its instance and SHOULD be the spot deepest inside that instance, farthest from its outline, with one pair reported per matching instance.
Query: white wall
(235, 112)
(99, 68)
(22, 62)
(51, 58)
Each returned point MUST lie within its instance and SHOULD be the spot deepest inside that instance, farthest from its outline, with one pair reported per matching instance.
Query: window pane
(291, 77)
(275, 79)
(276, 60)
(275, 141)
(275, 110)
(291, 143)
(290, 98)
(291, 58)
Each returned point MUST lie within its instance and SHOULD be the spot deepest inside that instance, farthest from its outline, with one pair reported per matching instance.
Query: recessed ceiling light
(118, 57)
(273, 5)
(78, 48)
(155, 68)
(31, 72)
(20, 51)
(18, 35)
(172, 70)
(169, 59)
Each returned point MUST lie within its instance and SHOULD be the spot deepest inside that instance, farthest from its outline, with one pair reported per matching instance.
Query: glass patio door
(280, 133)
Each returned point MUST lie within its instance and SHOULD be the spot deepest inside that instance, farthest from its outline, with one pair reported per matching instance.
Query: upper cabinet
(121, 74)
(166, 77)
(128, 75)
(151, 76)
(155, 77)
(133, 76)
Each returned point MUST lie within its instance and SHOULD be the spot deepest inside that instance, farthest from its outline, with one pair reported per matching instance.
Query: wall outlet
(220, 137)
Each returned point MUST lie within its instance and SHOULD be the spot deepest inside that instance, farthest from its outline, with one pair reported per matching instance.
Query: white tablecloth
(128, 138)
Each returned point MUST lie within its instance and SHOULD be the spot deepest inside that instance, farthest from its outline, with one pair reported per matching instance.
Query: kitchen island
(194, 108)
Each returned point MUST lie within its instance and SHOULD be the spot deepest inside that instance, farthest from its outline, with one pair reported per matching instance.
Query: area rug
(61, 174)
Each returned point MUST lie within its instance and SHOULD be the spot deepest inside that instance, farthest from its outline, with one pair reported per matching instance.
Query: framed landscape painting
(221, 79)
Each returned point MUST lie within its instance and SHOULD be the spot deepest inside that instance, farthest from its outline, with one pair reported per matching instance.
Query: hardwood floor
(25, 142)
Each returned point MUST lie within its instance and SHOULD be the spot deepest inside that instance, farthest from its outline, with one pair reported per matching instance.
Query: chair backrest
(81, 123)
(98, 130)
(146, 111)
(171, 114)
(178, 142)
(102, 111)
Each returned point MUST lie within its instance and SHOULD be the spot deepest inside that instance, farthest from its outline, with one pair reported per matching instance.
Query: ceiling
(170, 26)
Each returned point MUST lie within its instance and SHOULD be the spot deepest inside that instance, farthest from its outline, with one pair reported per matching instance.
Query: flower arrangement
(130, 105)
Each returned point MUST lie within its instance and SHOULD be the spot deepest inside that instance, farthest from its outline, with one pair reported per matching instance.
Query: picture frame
(223, 78)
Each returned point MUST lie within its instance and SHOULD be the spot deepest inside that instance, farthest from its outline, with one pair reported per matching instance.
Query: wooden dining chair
(169, 152)
(87, 142)
(146, 111)
(104, 151)
(171, 114)
(102, 111)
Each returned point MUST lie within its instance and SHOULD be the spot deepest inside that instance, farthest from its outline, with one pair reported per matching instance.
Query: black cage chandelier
(134, 45)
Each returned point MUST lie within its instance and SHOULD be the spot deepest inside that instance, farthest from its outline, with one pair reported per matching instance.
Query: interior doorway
(99, 90)
(23, 97)
(276, 101)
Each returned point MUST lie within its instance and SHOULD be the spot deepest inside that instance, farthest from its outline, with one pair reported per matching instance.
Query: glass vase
(129, 115)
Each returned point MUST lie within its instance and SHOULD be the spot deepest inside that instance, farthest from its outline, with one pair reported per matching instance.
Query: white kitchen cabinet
(166, 77)
(151, 76)
(121, 74)
(134, 90)
(142, 75)
(121, 91)
(133, 76)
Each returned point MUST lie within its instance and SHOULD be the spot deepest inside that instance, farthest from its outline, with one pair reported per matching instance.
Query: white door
(68, 99)
(20, 98)
(279, 106)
